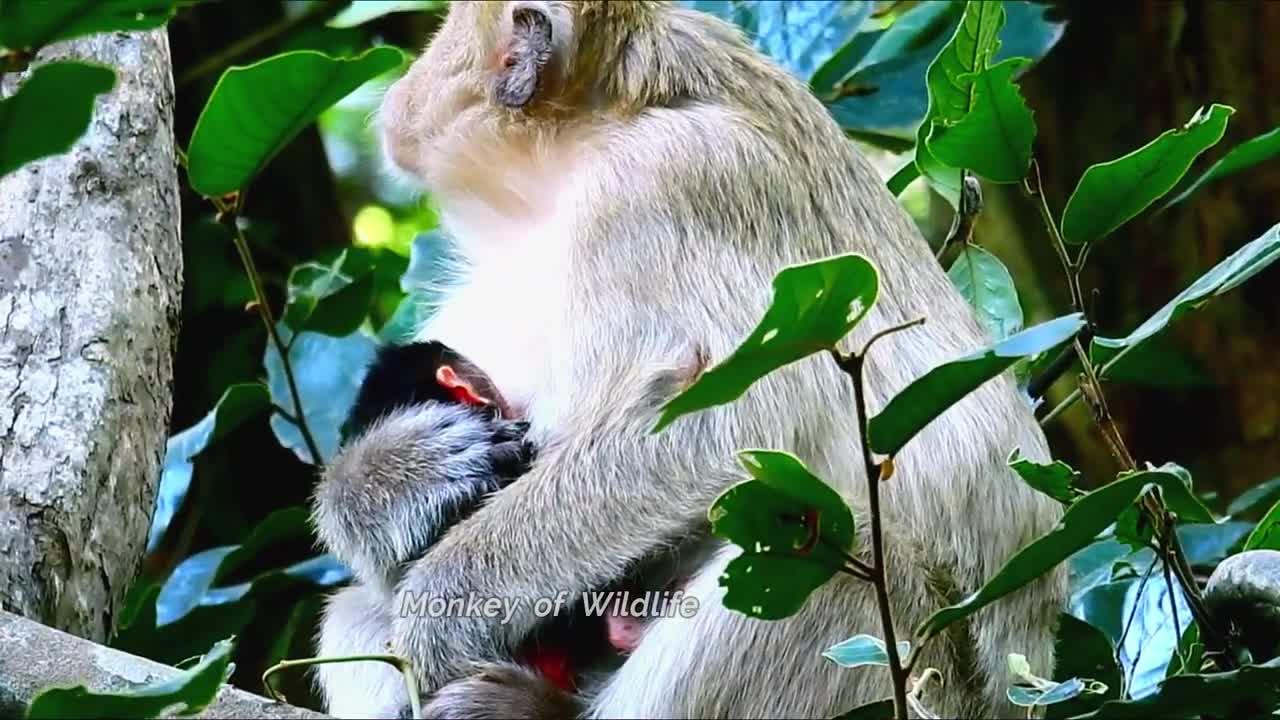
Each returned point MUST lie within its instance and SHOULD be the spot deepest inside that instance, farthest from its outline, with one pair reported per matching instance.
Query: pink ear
(528, 51)
(459, 388)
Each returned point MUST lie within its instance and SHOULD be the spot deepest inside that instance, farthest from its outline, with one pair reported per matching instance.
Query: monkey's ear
(524, 55)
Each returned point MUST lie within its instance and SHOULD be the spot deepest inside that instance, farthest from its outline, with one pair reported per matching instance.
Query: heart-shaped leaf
(985, 282)
(50, 111)
(995, 137)
(186, 693)
(32, 24)
(862, 650)
(1247, 154)
(254, 111)
(1112, 193)
(814, 306)
(237, 404)
(925, 399)
(1226, 276)
(794, 531)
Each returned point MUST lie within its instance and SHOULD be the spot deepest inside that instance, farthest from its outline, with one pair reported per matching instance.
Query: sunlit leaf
(862, 650)
(359, 13)
(1226, 276)
(237, 404)
(1247, 154)
(32, 24)
(995, 137)
(50, 111)
(815, 305)
(256, 110)
(1110, 194)
(911, 410)
(985, 282)
(793, 530)
(187, 692)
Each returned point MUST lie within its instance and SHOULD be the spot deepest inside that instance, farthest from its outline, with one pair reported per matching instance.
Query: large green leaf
(254, 111)
(328, 371)
(1226, 276)
(994, 138)
(187, 692)
(1083, 651)
(1247, 154)
(1224, 694)
(1112, 193)
(237, 404)
(1083, 521)
(359, 13)
(985, 282)
(793, 530)
(814, 306)
(32, 24)
(925, 399)
(50, 111)
(1266, 535)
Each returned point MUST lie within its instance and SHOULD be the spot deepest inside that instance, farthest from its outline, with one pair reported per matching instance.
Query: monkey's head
(500, 80)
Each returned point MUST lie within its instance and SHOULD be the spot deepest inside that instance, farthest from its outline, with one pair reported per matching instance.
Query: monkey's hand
(393, 491)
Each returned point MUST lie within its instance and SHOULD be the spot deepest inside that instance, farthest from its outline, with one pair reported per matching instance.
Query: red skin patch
(459, 388)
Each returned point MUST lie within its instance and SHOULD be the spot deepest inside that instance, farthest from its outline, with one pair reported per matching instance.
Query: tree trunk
(90, 290)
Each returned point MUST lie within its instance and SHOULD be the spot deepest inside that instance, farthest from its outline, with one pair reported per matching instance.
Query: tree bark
(34, 658)
(90, 291)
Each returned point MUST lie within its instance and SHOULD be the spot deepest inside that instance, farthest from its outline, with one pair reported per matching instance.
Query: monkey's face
(475, 96)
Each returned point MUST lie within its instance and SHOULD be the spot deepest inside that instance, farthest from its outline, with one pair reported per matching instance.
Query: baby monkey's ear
(525, 54)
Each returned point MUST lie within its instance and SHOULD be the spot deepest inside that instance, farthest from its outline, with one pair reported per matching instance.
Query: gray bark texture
(90, 292)
(34, 657)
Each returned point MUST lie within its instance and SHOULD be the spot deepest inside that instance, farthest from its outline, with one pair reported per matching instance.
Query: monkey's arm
(394, 490)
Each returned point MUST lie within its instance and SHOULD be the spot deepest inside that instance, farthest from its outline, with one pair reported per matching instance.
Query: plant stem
(264, 312)
(853, 365)
(319, 13)
(404, 666)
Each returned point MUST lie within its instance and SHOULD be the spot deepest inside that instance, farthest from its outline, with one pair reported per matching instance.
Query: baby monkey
(403, 376)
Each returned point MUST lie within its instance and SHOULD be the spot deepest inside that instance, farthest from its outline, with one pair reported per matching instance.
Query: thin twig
(264, 311)
(404, 666)
(321, 12)
(1062, 407)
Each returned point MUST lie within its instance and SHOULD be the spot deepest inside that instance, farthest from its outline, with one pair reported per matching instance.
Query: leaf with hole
(1111, 194)
(921, 402)
(185, 693)
(256, 110)
(862, 650)
(793, 529)
(237, 405)
(994, 139)
(815, 305)
(1247, 154)
(1226, 276)
(32, 24)
(1088, 516)
(985, 282)
(50, 111)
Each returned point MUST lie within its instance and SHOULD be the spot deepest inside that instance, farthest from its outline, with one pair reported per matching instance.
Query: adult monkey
(624, 180)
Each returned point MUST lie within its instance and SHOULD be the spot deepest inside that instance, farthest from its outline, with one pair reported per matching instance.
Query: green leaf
(903, 178)
(994, 139)
(1224, 694)
(32, 24)
(985, 282)
(1226, 276)
(862, 650)
(1056, 479)
(1190, 655)
(1035, 691)
(1083, 651)
(50, 111)
(328, 371)
(814, 306)
(359, 13)
(793, 529)
(1112, 193)
(187, 692)
(238, 404)
(911, 410)
(1266, 535)
(1247, 154)
(1257, 497)
(255, 111)
(1088, 516)
(1160, 362)
(1175, 482)
(878, 710)
(332, 300)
